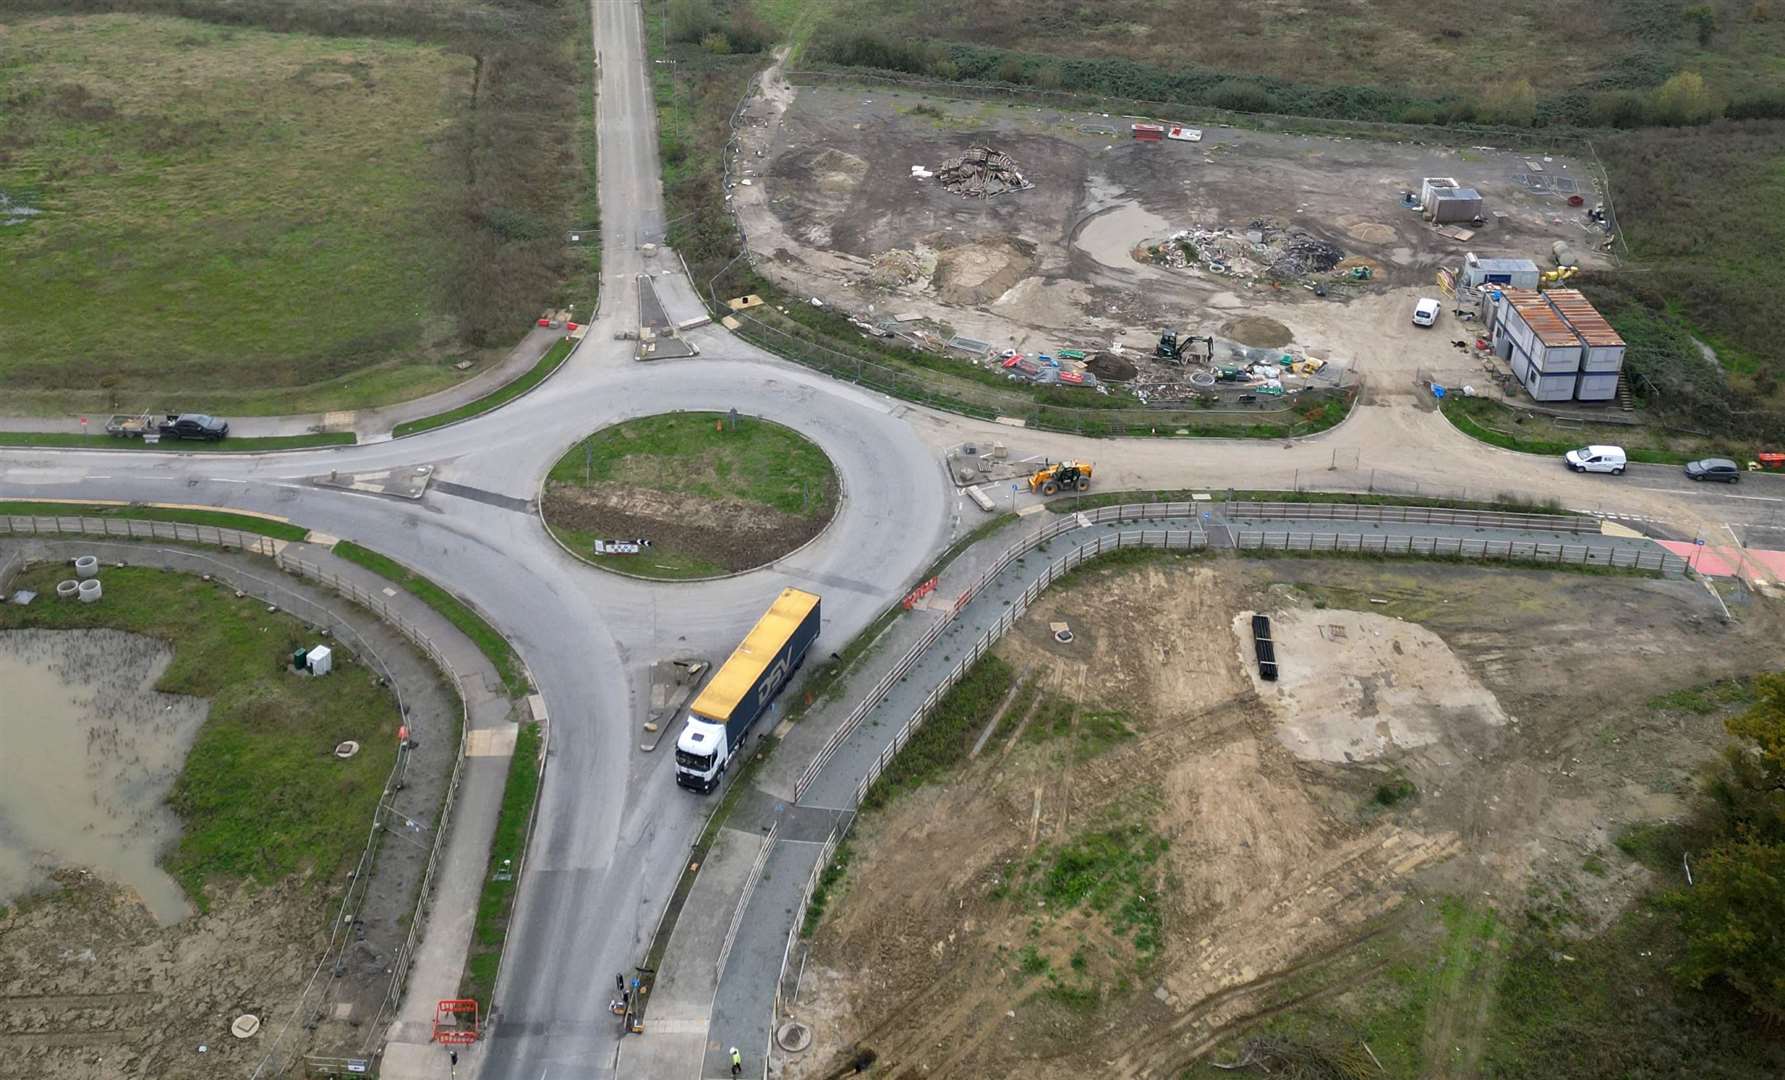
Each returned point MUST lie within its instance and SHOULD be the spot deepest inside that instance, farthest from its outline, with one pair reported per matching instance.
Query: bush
(1685, 99)
(1512, 104)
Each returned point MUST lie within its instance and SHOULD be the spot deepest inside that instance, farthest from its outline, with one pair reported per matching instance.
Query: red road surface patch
(1726, 561)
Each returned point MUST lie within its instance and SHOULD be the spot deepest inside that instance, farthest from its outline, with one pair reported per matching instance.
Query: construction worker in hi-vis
(737, 1062)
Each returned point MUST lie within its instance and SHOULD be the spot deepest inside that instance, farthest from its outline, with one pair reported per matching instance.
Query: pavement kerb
(520, 872)
(549, 376)
(539, 512)
(224, 454)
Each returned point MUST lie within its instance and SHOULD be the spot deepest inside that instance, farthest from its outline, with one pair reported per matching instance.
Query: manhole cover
(793, 1037)
(1064, 637)
(245, 1026)
(347, 749)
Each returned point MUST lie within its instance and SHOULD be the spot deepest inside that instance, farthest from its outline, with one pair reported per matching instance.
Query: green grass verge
(487, 639)
(259, 797)
(502, 395)
(501, 877)
(1508, 504)
(102, 441)
(278, 530)
(943, 740)
(1478, 417)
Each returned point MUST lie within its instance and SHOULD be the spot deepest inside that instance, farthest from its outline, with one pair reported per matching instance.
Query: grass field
(221, 519)
(694, 453)
(259, 796)
(219, 202)
(538, 373)
(487, 638)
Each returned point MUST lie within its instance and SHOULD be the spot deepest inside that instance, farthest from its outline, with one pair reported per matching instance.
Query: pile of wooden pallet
(980, 173)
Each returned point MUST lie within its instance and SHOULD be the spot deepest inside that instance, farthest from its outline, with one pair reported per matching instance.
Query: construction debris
(980, 173)
(1262, 249)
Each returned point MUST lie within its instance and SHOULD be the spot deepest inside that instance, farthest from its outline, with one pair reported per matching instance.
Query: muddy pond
(88, 754)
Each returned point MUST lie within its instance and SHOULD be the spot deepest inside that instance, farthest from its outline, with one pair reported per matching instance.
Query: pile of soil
(733, 533)
(1111, 368)
(1258, 332)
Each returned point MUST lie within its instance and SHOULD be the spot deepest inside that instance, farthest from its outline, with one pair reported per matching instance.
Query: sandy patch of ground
(1357, 686)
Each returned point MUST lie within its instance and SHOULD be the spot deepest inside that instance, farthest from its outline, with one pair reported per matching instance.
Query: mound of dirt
(733, 533)
(836, 173)
(981, 272)
(1371, 232)
(1111, 368)
(1258, 332)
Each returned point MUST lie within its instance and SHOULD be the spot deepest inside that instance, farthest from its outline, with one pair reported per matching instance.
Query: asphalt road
(613, 828)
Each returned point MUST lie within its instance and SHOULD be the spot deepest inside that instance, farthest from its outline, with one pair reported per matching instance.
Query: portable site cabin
(1513, 273)
(1603, 358)
(1560, 348)
(1451, 205)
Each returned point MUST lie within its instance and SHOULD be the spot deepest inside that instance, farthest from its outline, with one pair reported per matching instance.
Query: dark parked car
(1715, 468)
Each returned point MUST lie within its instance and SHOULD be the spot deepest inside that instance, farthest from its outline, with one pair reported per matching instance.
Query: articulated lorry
(740, 691)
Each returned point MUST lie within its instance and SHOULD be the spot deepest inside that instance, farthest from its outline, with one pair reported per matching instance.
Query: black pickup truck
(169, 426)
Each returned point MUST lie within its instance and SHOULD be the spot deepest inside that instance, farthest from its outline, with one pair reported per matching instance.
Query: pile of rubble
(980, 173)
(898, 266)
(1261, 249)
(1302, 255)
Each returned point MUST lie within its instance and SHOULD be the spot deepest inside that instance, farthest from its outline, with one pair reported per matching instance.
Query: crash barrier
(1067, 523)
(1410, 515)
(1650, 557)
(825, 854)
(737, 915)
(377, 604)
(136, 529)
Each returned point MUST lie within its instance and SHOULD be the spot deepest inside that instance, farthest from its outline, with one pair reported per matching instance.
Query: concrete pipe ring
(1064, 637)
(67, 590)
(90, 590)
(86, 566)
(793, 1037)
(1202, 378)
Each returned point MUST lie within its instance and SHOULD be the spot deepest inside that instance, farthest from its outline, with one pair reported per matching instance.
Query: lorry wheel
(1050, 488)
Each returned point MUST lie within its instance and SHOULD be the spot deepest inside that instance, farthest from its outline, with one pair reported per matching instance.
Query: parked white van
(1609, 459)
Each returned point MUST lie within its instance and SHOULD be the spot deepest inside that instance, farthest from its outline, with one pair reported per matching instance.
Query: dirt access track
(1280, 881)
(828, 194)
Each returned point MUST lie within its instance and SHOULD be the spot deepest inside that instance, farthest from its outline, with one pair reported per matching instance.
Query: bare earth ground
(1491, 691)
(830, 195)
(735, 534)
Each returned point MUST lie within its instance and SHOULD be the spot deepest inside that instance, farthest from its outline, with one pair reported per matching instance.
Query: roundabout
(689, 495)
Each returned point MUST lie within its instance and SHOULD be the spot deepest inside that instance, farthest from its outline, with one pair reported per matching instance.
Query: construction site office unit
(741, 690)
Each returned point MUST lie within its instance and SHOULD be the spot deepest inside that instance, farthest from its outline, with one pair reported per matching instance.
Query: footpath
(732, 962)
(437, 953)
(369, 425)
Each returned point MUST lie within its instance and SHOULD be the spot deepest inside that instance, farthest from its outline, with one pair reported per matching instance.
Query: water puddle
(14, 211)
(1111, 236)
(88, 754)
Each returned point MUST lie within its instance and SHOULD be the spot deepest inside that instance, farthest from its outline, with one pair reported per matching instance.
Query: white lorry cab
(741, 690)
(1606, 459)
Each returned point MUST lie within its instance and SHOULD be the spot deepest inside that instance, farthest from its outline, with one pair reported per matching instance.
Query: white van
(1609, 459)
(1425, 313)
